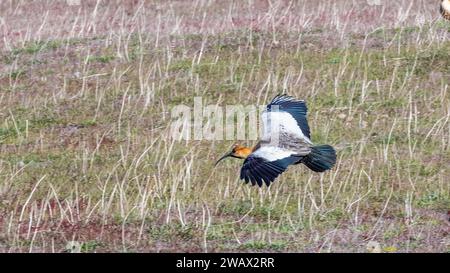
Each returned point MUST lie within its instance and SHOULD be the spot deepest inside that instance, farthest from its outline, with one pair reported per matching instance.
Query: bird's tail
(321, 158)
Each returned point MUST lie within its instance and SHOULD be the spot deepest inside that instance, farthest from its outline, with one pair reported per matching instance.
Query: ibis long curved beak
(223, 157)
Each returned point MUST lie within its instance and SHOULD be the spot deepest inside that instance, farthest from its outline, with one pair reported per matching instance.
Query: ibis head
(237, 151)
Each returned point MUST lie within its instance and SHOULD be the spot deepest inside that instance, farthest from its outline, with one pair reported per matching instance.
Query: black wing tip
(281, 97)
(260, 172)
(284, 98)
(259, 178)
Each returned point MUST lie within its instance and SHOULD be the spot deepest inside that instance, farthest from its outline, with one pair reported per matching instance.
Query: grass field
(86, 93)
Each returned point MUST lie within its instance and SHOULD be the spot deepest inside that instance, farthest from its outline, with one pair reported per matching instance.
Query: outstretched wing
(266, 164)
(289, 115)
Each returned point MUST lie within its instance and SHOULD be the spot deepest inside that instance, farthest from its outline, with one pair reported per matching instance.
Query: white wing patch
(281, 122)
(272, 153)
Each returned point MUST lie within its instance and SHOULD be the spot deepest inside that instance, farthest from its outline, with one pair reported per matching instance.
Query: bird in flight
(445, 9)
(285, 141)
